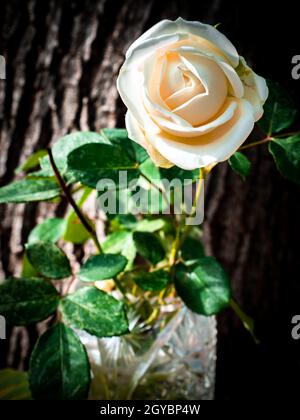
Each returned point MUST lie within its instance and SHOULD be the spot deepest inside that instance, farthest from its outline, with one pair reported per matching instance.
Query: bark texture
(62, 60)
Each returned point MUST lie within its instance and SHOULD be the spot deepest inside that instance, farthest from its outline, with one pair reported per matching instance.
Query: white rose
(191, 99)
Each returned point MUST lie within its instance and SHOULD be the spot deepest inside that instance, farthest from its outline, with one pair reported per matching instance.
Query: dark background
(62, 62)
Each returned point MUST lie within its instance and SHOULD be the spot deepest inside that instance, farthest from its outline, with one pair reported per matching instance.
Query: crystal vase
(174, 362)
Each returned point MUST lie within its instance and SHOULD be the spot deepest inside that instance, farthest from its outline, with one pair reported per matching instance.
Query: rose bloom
(191, 99)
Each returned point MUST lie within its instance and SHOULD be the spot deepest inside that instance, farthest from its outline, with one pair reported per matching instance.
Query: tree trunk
(62, 59)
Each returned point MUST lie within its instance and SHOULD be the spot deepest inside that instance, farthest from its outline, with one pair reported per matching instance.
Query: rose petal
(181, 26)
(136, 134)
(131, 79)
(202, 107)
(256, 89)
(172, 79)
(223, 117)
(257, 106)
(237, 88)
(216, 146)
(156, 110)
(192, 87)
(153, 71)
(261, 86)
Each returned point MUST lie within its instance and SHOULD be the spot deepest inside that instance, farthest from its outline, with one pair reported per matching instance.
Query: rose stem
(267, 139)
(72, 202)
(256, 143)
(180, 239)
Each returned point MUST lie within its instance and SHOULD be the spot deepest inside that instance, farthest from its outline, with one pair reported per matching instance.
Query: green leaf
(148, 200)
(27, 301)
(50, 230)
(32, 162)
(116, 135)
(156, 174)
(102, 267)
(122, 221)
(121, 242)
(92, 162)
(240, 164)
(29, 190)
(183, 175)
(96, 312)
(149, 246)
(286, 154)
(115, 242)
(27, 270)
(279, 110)
(115, 203)
(59, 366)
(75, 232)
(205, 290)
(14, 385)
(151, 171)
(66, 145)
(119, 137)
(172, 181)
(192, 248)
(148, 225)
(48, 260)
(154, 281)
(149, 190)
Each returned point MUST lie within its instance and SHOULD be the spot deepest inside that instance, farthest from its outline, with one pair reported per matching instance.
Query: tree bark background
(63, 58)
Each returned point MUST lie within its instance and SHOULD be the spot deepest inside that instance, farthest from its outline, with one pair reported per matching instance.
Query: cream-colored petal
(261, 87)
(215, 146)
(237, 88)
(201, 30)
(256, 89)
(134, 131)
(257, 105)
(130, 87)
(155, 105)
(150, 46)
(131, 79)
(172, 78)
(236, 85)
(257, 94)
(157, 158)
(174, 129)
(191, 88)
(154, 68)
(203, 106)
(136, 134)
(253, 79)
(156, 110)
